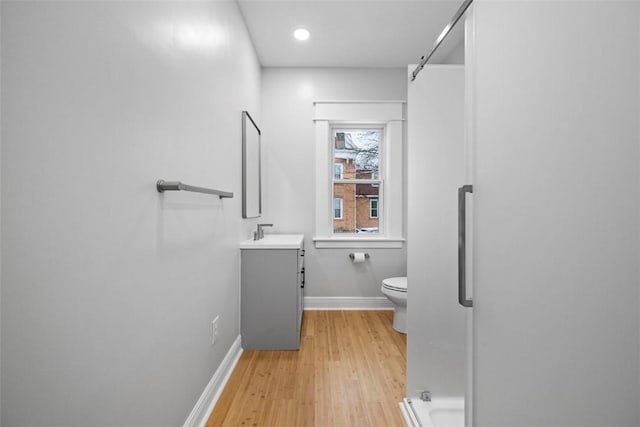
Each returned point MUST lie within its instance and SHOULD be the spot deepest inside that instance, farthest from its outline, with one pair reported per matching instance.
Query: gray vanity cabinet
(272, 291)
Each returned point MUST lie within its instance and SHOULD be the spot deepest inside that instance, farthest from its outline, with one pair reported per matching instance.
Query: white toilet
(395, 288)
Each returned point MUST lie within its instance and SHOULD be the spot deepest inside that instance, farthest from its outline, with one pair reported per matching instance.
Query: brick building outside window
(356, 183)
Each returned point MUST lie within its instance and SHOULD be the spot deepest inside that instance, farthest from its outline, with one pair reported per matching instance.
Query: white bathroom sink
(275, 241)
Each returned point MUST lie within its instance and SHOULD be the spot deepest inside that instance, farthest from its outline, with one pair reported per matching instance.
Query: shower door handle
(462, 246)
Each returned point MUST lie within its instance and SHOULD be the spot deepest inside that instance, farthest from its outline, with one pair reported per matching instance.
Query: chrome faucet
(259, 234)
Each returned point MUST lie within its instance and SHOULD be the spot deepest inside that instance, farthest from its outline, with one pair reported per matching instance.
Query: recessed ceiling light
(301, 34)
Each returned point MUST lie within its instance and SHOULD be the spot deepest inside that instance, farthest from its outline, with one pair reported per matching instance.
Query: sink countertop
(275, 241)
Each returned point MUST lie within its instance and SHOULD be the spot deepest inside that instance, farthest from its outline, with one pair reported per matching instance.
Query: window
(357, 149)
(373, 208)
(337, 208)
(359, 174)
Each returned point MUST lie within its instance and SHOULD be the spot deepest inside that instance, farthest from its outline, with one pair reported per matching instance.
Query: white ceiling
(349, 33)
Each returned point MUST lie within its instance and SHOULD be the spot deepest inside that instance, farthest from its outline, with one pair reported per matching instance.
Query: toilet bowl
(395, 288)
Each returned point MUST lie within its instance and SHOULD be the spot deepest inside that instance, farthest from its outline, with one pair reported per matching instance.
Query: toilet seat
(398, 284)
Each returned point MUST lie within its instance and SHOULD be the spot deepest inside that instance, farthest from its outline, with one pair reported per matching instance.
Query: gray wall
(109, 288)
(457, 54)
(289, 169)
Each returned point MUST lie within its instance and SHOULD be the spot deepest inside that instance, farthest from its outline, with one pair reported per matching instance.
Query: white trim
(204, 407)
(358, 112)
(390, 211)
(324, 210)
(358, 181)
(347, 303)
(358, 102)
(357, 243)
(373, 121)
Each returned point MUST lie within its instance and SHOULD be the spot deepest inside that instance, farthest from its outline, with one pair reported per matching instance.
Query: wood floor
(350, 371)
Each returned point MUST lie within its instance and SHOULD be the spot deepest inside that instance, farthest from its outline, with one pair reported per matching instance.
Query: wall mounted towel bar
(163, 186)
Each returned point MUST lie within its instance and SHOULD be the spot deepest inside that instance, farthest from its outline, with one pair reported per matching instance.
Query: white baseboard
(201, 412)
(347, 303)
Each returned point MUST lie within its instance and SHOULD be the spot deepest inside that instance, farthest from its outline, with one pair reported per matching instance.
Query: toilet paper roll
(358, 257)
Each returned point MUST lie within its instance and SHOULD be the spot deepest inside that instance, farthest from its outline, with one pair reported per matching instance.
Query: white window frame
(341, 208)
(377, 208)
(361, 114)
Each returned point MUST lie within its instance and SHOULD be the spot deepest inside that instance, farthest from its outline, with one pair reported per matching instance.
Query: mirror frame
(250, 126)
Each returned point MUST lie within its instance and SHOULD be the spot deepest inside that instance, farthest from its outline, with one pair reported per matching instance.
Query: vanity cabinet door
(270, 299)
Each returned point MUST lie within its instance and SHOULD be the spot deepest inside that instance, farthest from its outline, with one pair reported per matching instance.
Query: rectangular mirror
(251, 168)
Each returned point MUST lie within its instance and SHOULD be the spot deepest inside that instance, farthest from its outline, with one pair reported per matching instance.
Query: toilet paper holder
(352, 256)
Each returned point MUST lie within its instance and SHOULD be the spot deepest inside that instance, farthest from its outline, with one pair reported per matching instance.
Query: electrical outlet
(214, 330)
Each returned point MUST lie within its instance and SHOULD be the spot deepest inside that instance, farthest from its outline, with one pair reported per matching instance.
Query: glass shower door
(437, 323)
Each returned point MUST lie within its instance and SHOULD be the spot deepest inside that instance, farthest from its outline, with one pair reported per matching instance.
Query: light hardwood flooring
(350, 371)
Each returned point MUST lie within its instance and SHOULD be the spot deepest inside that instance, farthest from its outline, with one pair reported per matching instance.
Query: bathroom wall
(457, 54)
(108, 287)
(289, 169)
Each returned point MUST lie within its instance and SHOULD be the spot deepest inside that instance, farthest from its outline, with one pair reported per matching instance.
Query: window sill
(358, 242)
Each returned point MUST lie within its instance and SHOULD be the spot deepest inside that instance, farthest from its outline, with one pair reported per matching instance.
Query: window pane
(356, 208)
(337, 170)
(337, 208)
(358, 150)
(373, 208)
